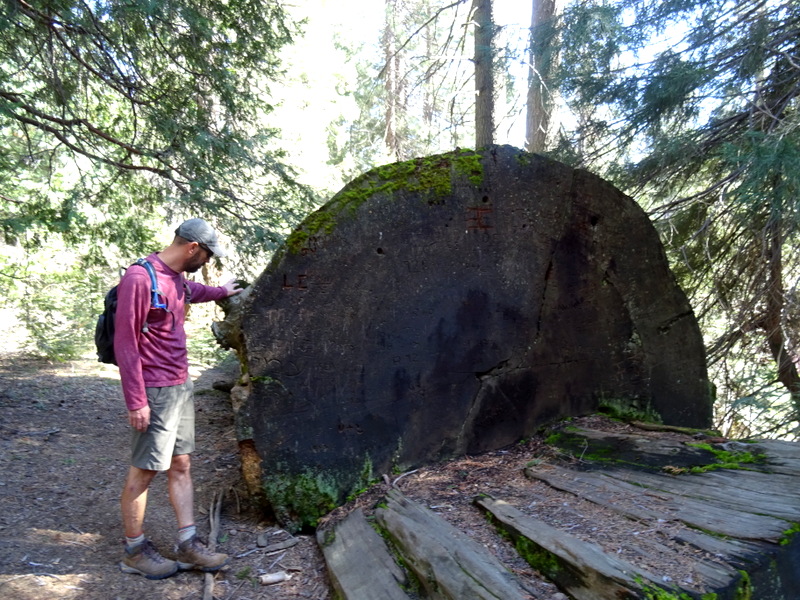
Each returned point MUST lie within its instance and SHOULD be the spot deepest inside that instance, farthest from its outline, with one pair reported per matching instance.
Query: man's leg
(181, 491)
(141, 558)
(192, 553)
(134, 500)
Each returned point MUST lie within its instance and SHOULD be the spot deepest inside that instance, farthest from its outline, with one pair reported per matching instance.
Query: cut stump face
(451, 305)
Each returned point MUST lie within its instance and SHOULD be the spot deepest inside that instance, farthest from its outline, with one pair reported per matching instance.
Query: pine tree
(703, 128)
(112, 112)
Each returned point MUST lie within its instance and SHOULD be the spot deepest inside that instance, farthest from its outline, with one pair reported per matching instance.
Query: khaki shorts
(171, 430)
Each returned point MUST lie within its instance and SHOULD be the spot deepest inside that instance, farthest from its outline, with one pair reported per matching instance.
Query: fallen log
(448, 564)
(621, 496)
(580, 569)
(359, 563)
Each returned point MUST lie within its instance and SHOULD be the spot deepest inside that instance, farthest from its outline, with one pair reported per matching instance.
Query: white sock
(132, 542)
(186, 533)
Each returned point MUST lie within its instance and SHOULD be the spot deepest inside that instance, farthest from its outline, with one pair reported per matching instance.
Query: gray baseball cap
(198, 230)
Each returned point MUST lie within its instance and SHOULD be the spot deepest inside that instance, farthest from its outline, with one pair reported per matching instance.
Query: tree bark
(773, 318)
(484, 80)
(393, 84)
(542, 61)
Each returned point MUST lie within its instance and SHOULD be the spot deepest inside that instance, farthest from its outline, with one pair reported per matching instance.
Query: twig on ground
(276, 561)
(80, 544)
(213, 517)
(247, 553)
(236, 589)
(394, 483)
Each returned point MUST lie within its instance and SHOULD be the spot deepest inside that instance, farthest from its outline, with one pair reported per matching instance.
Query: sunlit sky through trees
(308, 109)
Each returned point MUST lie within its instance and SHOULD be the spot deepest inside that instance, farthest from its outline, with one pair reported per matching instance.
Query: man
(150, 346)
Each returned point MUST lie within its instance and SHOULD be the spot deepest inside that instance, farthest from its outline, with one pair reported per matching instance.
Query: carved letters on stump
(451, 305)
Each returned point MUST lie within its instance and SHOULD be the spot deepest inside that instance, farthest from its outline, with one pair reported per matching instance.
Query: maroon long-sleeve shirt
(155, 355)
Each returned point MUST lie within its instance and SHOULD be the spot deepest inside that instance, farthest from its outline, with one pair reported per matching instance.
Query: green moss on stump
(790, 534)
(431, 177)
(299, 500)
(726, 459)
(628, 409)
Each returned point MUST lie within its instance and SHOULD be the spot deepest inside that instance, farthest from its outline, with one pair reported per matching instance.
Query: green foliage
(537, 557)
(543, 561)
(367, 480)
(657, 593)
(632, 409)
(413, 99)
(52, 297)
(300, 500)
(120, 118)
(744, 589)
(113, 111)
(244, 573)
(200, 342)
(691, 107)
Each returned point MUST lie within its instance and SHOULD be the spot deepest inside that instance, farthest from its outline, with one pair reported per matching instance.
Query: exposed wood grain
(449, 564)
(359, 563)
(732, 496)
(579, 568)
(622, 496)
(738, 553)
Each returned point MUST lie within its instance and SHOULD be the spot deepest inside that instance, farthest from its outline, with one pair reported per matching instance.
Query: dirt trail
(63, 457)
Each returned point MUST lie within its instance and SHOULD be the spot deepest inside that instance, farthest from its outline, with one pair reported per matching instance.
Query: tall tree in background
(705, 128)
(419, 99)
(542, 61)
(394, 80)
(484, 72)
(113, 111)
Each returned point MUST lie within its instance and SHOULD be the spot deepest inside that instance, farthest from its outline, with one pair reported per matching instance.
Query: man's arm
(205, 293)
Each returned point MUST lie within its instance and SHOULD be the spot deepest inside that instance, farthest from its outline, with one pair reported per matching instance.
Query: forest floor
(64, 454)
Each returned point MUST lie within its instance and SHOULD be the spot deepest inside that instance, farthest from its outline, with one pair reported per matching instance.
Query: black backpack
(104, 331)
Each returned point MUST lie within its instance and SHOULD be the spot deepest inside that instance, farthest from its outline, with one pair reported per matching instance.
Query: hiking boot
(145, 560)
(193, 554)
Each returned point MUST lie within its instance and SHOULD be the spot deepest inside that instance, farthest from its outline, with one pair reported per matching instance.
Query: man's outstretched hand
(232, 287)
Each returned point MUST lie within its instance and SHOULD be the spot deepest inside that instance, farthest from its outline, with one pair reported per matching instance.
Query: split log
(359, 563)
(674, 429)
(737, 553)
(631, 449)
(737, 495)
(623, 497)
(782, 457)
(449, 564)
(579, 568)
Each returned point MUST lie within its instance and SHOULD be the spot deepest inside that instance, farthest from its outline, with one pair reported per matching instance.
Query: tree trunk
(770, 106)
(393, 84)
(484, 81)
(773, 319)
(542, 61)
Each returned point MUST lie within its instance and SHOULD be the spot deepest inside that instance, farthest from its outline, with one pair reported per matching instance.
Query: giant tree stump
(451, 305)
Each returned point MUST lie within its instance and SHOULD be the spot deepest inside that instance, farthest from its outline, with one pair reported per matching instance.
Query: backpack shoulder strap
(155, 301)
